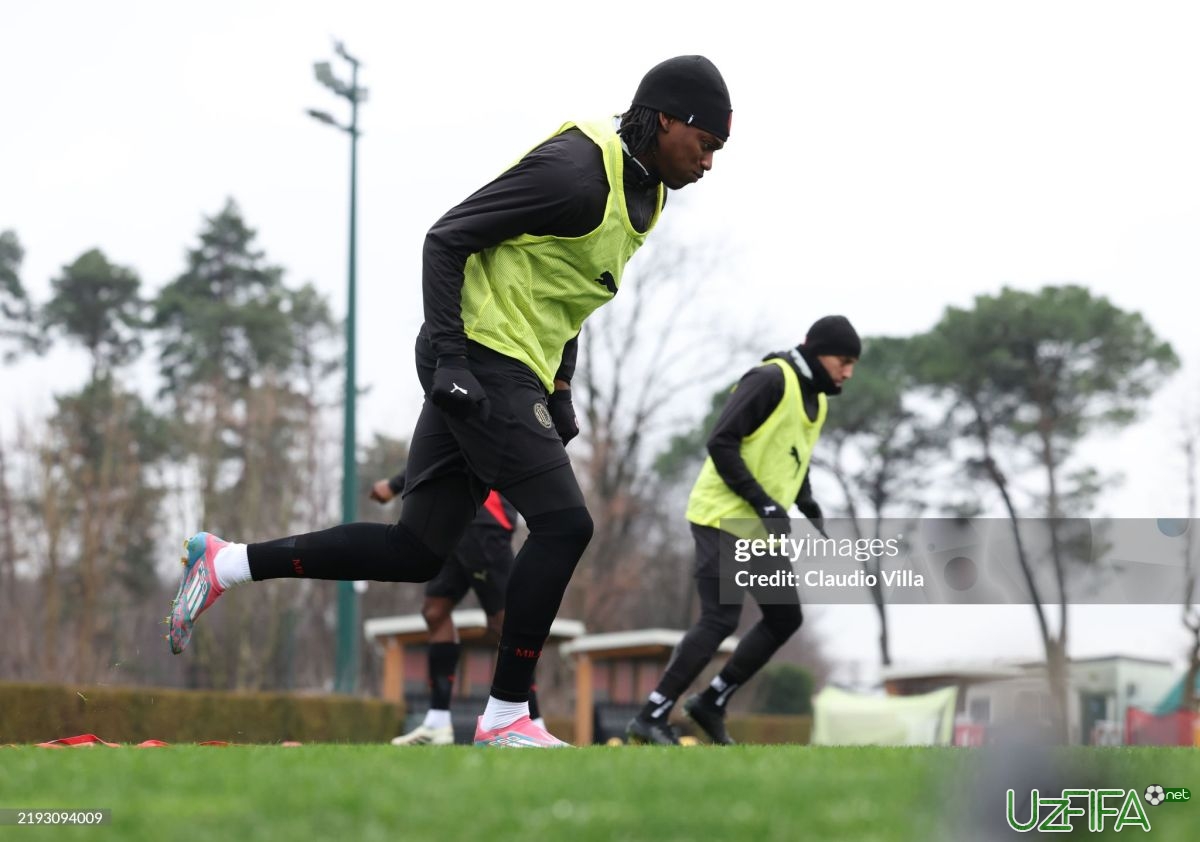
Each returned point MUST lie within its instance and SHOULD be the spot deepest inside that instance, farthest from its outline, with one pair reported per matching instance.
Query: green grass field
(356, 792)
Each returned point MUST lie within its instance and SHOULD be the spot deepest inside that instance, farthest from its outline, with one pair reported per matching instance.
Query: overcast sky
(886, 159)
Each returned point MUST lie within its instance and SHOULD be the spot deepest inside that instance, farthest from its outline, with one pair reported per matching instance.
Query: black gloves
(563, 413)
(456, 391)
(809, 508)
(774, 517)
(459, 394)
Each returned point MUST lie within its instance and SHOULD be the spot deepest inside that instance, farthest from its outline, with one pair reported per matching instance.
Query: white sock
(500, 714)
(539, 722)
(437, 718)
(232, 566)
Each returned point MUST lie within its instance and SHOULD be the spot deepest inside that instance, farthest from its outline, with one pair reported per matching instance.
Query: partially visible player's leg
(444, 653)
(485, 556)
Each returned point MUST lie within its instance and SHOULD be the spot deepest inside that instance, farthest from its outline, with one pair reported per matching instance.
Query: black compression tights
(559, 531)
(434, 517)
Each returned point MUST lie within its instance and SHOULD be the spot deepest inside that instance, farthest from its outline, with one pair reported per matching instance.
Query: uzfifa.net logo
(1156, 794)
(1056, 815)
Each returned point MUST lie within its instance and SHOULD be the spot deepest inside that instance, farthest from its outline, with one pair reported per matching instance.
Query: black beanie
(835, 336)
(690, 88)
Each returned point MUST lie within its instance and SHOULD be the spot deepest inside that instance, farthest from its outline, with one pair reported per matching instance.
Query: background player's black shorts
(517, 440)
(481, 562)
(715, 561)
(710, 544)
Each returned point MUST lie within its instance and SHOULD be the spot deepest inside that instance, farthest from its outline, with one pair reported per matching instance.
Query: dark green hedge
(34, 713)
(769, 729)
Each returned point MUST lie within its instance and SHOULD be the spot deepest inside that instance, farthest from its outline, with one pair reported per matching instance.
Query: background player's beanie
(690, 88)
(835, 336)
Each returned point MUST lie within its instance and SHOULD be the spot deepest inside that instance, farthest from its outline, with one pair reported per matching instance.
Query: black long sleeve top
(559, 189)
(757, 395)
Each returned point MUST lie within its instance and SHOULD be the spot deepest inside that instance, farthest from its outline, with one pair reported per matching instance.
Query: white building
(1016, 696)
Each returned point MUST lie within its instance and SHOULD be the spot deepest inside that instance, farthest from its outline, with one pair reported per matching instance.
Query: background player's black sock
(716, 695)
(657, 708)
(443, 664)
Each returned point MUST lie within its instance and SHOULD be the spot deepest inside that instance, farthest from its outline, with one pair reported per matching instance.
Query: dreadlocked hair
(639, 128)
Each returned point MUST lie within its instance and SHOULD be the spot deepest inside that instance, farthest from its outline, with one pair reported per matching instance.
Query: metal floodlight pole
(347, 657)
(348, 602)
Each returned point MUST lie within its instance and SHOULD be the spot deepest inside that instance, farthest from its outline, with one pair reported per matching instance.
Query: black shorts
(710, 543)
(715, 552)
(481, 562)
(517, 441)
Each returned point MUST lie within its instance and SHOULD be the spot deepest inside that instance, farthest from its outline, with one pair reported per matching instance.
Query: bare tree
(638, 367)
